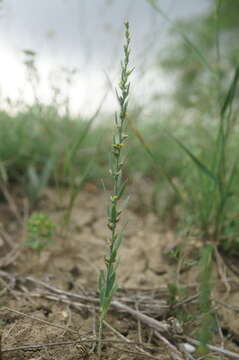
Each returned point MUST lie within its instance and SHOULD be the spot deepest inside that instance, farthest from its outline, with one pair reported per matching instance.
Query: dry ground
(33, 314)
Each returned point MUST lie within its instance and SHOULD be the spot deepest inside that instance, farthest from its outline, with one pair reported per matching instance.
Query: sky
(84, 37)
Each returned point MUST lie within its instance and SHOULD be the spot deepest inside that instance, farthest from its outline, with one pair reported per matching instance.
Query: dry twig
(127, 340)
(160, 326)
(62, 343)
(216, 349)
(162, 329)
(10, 257)
(175, 353)
(11, 202)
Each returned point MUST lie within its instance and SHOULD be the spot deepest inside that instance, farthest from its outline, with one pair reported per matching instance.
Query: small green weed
(40, 231)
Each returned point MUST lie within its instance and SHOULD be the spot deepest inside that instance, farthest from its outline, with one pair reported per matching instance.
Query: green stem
(107, 280)
(100, 337)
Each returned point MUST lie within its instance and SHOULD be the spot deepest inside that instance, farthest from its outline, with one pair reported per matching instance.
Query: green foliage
(208, 42)
(38, 181)
(196, 168)
(230, 240)
(107, 278)
(215, 180)
(35, 148)
(40, 231)
(206, 186)
(228, 10)
(205, 61)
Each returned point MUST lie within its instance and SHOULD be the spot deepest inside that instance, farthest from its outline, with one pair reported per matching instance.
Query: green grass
(36, 144)
(108, 277)
(188, 154)
(34, 151)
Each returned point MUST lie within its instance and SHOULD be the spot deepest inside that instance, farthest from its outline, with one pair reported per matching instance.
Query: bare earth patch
(52, 324)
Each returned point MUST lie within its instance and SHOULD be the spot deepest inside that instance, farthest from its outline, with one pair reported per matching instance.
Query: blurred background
(82, 40)
(60, 65)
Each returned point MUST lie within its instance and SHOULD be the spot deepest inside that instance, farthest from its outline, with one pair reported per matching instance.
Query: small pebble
(188, 347)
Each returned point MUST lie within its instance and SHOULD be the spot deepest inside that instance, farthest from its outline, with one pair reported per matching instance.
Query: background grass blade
(196, 161)
(155, 161)
(198, 53)
(231, 92)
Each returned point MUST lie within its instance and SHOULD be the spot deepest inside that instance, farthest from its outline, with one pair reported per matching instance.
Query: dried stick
(128, 341)
(160, 326)
(95, 300)
(61, 292)
(139, 324)
(11, 202)
(76, 305)
(6, 285)
(6, 237)
(230, 307)
(215, 348)
(61, 343)
(222, 272)
(10, 257)
(176, 353)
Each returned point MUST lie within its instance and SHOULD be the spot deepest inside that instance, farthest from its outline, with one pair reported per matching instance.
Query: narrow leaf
(122, 188)
(193, 47)
(231, 92)
(155, 161)
(196, 161)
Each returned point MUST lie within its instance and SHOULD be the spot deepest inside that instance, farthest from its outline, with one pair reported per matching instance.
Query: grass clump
(107, 278)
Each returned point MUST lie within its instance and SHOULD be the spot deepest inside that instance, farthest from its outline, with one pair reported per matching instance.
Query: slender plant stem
(100, 336)
(107, 278)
